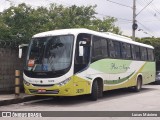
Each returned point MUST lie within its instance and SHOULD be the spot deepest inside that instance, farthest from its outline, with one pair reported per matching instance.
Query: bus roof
(76, 31)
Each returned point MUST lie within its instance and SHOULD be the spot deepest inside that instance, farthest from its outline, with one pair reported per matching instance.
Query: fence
(9, 62)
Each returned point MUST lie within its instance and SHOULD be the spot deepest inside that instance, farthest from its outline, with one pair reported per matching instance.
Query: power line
(115, 17)
(124, 23)
(149, 12)
(156, 9)
(142, 5)
(144, 8)
(119, 4)
(152, 21)
(147, 29)
(153, 7)
(153, 12)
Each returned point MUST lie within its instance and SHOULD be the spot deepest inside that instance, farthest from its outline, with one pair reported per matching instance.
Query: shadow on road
(84, 99)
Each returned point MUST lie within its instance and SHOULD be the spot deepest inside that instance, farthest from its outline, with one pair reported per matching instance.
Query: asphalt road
(148, 99)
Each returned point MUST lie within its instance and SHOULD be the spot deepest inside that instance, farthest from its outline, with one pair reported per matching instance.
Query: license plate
(41, 90)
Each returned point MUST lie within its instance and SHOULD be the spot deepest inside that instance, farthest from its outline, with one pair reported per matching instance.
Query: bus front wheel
(94, 92)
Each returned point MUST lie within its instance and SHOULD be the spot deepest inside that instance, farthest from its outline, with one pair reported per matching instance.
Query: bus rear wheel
(138, 86)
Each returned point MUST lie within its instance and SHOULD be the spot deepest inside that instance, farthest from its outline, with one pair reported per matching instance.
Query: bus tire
(138, 86)
(94, 92)
(100, 88)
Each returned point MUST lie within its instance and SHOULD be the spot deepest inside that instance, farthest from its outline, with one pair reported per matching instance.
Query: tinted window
(99, 48)
(104, 47)
(143, 53)
(150, 55)
(135, 52)
(114, 49)
(126, 51)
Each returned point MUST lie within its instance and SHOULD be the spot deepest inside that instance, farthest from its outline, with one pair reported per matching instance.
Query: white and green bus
(71, 62)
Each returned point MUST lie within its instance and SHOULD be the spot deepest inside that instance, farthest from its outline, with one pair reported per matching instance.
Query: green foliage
(105, 25)
(20, 23)
(155, 42)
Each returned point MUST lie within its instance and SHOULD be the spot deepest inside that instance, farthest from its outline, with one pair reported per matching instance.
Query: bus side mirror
(81, 47)
(20, 49)
(20, 53)
(81, 51)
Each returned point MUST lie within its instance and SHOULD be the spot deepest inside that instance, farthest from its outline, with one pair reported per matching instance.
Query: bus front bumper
(53, 90)
(76, 86)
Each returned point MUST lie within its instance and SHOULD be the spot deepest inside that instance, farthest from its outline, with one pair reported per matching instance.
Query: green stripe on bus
(118, 81)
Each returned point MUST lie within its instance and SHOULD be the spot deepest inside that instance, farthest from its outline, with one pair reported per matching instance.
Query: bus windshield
(50, 54)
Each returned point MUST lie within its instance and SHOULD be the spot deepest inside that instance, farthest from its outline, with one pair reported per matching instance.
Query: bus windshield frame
(49, 56)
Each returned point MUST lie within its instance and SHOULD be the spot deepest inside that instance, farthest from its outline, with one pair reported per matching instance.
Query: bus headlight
(64, 82)
(26, 83)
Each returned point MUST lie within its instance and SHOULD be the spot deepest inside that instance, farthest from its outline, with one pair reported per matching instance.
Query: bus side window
(135, 52)
(104, 47)
(143, 53)
(126, 51)
(96, 47)
(117, 49)
(111, 49)
(150, 54)
(114, 49)
(123, 49)
(99, 48)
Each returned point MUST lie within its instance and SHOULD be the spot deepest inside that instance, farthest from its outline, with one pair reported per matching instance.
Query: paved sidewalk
(6, 99)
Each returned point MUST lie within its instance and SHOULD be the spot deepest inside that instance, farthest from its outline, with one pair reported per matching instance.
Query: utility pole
(134, 25)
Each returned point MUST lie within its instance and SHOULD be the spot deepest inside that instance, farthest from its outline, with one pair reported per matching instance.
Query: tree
(21, 22)
(105, 25)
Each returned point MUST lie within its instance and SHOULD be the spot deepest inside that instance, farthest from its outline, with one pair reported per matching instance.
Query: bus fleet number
(80, 91)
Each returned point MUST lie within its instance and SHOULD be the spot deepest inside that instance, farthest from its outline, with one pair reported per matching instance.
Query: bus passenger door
(82, 53)
(81, 62)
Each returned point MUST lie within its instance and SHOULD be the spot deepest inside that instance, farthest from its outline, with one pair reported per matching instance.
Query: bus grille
(46, 92)
(47, 85)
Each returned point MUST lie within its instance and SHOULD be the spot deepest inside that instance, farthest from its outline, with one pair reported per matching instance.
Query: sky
(148, 19)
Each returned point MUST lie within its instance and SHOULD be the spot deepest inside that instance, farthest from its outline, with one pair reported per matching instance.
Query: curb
(19, 100)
